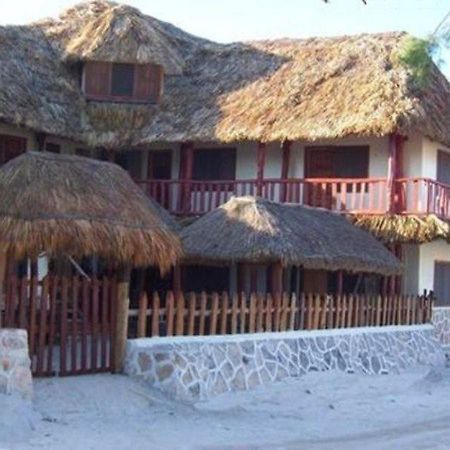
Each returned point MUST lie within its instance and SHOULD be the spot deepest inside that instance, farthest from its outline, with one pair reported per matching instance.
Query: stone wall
(441, 323)
(15, 373)
(192, 368)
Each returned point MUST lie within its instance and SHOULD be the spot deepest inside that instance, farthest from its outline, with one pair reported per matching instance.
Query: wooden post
(176, 281)
(277, 279)
(121, 325)
(261, 162)
(340, 282)
(285, 170)
(185, 175)
(40, 140)
(395, 171)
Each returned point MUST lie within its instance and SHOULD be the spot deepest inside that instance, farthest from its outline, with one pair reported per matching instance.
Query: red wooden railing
(423, 196)
(347, 195)
(198, 197)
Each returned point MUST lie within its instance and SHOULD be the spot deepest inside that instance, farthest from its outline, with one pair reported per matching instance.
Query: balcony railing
(347, 195)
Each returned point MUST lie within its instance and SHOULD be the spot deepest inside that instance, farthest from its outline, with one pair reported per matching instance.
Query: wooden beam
(260, 166)
(285, 168)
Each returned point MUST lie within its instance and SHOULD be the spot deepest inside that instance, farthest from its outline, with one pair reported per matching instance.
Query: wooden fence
(68, 320)
(202, 314)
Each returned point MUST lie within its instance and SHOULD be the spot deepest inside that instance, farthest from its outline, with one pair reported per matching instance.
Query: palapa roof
(249, 229)
(278, 90)
(107, 31)
(66, 204)
(404, 228)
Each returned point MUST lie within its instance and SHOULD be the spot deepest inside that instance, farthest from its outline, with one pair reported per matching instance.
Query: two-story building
(337, 123)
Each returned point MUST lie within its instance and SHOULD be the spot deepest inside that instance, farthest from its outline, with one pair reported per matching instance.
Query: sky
(232, 20)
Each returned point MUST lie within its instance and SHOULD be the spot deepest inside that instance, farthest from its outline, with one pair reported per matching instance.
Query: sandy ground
(318, 411)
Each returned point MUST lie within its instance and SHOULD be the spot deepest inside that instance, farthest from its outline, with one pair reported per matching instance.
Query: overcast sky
(231, 20)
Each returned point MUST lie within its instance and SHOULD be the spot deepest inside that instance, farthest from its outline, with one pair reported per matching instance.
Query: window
(442, 283)
(214, 164)
(122, 82)
(338, 162)
(52, 148)
(10, 147)
(443, 167)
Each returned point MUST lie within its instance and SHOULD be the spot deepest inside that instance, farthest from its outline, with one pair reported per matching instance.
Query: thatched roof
(249, 229)
(404, 228)
(292, 89)
(108, 31)
(65, 204)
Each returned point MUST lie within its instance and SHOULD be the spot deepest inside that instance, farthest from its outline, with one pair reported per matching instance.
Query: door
(442, 283)
(10, 147)
(319, 164)
(159, 167)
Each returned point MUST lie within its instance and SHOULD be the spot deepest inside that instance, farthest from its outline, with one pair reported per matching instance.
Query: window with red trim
(105, 81)
(214, 164)
(11, 146)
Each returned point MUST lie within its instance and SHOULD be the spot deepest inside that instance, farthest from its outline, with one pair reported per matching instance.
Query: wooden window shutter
(148, 79)
(97, 76)
(11, 146)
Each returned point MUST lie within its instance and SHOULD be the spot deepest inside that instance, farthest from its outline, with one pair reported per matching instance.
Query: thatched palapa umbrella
(253, 230)
(70, 205)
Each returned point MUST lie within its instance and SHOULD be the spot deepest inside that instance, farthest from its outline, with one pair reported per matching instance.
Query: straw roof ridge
(79, 206)
(109, 31)
(249, 229)
(269, 90)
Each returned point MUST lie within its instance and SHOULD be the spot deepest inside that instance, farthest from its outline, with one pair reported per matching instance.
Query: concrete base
(192, 368)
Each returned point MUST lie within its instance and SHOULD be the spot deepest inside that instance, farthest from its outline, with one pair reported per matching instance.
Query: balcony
(418, 196)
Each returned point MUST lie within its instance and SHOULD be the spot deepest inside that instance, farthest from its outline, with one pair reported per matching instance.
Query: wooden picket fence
(69, 321)
(201, 314)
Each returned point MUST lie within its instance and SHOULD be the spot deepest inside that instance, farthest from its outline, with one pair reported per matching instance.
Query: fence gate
(69, 322)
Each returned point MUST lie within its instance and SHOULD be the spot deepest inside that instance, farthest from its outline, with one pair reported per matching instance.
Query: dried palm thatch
(64, 204)
(320, 88)
(404, 228)
(249, 229)
(108, 31)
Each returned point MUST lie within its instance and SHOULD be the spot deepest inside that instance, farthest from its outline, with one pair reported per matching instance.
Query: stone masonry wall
(192, 368)
(15, 372)
(441, 323)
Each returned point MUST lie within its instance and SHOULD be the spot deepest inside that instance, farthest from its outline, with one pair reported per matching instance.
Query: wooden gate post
(121, 325)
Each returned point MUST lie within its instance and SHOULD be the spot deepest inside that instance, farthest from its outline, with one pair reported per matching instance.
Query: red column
(285, 170)
(395, 171)
(185, 175)
(340, 282)
(261, 162)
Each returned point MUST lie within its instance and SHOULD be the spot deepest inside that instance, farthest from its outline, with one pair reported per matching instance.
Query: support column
(176, 282)
(285, 170)
(261, 162)
(395, 171)
(121, 323)
(185, 175)
(40, 140)
(277, 279)
(340, 282)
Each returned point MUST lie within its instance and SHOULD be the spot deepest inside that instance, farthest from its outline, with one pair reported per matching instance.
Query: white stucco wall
(419, 264)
